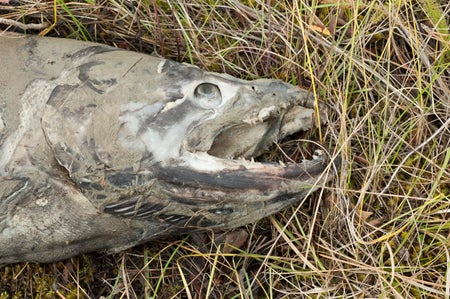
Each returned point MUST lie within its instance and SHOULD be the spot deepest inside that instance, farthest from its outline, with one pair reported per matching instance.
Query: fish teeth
(250, 121)
(264, 113)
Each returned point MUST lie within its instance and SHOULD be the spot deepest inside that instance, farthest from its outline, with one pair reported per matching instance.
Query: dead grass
(380, 229)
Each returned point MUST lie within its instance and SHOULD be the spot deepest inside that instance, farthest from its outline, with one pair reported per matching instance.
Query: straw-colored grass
(380, 229)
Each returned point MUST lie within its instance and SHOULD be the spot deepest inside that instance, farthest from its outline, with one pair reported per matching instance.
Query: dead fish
(104, 149)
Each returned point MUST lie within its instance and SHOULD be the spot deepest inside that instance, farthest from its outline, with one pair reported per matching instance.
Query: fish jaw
(218, 194)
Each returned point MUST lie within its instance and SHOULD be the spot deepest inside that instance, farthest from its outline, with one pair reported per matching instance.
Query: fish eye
(208, 95)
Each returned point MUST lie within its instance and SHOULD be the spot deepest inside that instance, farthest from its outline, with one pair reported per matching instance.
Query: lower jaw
(264, 178)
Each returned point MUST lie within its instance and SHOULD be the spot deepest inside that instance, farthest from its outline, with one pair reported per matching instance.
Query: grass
(380, 229)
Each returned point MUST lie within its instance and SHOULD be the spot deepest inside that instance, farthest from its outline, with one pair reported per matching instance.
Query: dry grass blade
(380, 230)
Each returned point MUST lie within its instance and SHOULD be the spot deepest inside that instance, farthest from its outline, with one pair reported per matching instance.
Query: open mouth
(243, 140)
(227, 159)
(252, 137)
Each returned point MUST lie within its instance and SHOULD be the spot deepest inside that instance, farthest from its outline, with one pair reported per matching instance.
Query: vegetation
(380, 229)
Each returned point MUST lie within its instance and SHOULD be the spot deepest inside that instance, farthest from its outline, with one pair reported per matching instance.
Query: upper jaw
(261, 112)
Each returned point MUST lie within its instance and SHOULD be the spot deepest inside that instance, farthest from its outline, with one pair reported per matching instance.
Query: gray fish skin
(103, 149)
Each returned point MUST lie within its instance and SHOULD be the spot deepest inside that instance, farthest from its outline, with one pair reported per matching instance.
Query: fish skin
(104, 149)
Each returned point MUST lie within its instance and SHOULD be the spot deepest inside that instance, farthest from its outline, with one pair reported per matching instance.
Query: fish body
(103, 149)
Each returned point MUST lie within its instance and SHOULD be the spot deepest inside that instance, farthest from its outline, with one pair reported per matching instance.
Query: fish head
(214, 129)
(156, 139)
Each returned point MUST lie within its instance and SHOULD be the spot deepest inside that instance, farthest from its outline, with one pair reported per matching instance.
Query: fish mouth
(216, 183)
(227, 159)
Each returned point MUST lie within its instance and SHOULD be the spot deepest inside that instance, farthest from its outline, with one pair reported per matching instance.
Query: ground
(379, 229)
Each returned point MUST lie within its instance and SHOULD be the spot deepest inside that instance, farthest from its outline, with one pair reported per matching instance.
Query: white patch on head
(42, 202)
(228, 85)
(168, 144)
(173, 104)
(2, 123)
(163, 143)
(265, 113)
(160, 66)
(163, 146)
(132, 117)
(203, 162)
(136, 135)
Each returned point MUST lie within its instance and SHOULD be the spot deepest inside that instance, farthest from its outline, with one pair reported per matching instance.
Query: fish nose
(305, 98)
(279, 86)
(282, 90)
(267, 86)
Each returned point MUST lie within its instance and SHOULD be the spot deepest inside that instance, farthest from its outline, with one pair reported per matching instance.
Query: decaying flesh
(103, 149)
